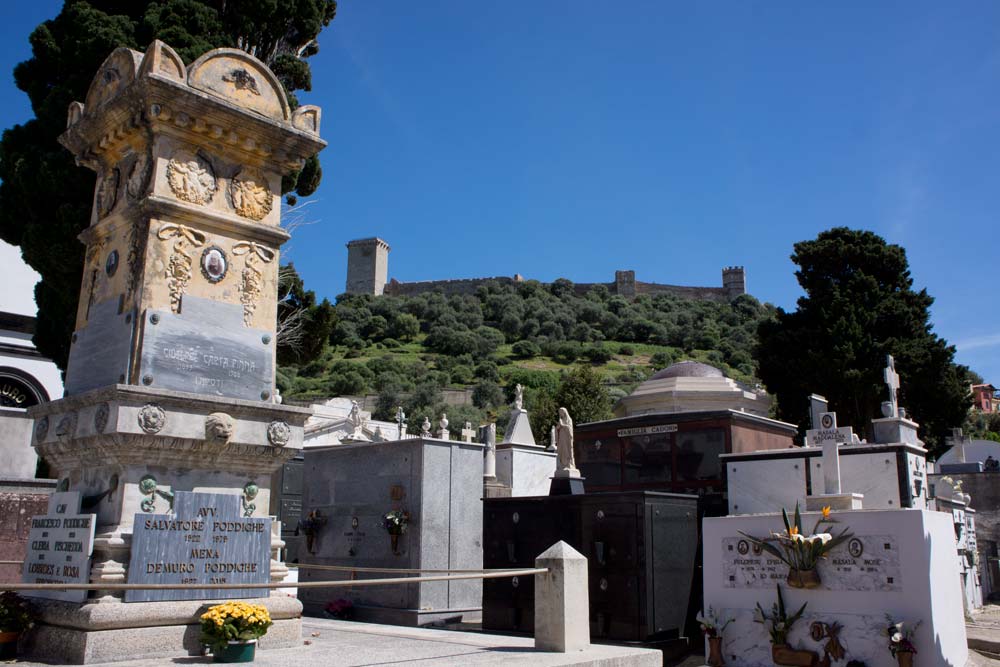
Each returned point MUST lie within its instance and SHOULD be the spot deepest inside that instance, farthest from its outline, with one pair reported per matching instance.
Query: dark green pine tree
(45, 198)
(860, 306)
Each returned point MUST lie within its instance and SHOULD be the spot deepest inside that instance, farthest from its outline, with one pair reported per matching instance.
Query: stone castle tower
(734, 281)
(367, 266)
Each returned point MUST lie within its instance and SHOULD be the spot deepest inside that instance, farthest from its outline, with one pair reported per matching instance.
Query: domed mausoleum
(668, 434)
(691, 386)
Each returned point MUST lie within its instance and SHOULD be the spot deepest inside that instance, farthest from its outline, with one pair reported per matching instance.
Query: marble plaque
(60, 544)
(205, 541)
(100, 353)
(863, 563)
(207, 350)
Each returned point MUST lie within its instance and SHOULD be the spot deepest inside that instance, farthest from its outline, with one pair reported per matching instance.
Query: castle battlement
(368, 263)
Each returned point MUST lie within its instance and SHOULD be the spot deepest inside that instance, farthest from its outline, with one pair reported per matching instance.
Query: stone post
(490, 459)
(562, 605)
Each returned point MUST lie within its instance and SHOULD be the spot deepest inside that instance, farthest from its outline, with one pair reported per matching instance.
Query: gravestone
(207, 540)
(170, 381)
(59, 547)
(830, 437)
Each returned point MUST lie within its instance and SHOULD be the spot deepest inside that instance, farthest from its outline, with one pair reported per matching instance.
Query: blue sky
(554, 139)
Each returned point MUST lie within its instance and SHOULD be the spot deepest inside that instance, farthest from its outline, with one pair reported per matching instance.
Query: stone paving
(347, 644)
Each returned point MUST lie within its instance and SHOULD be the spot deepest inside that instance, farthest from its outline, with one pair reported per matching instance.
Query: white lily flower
(798, 538)
(823, 538)
(896, 637)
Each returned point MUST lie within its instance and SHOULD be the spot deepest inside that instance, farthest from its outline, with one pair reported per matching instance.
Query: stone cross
(468, 432)
(957, 440)
(891, 381)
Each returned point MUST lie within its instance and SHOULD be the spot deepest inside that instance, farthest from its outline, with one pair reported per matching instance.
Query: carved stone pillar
(170, 382)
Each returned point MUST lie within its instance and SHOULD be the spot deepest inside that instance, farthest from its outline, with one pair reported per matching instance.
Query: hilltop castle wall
(368, 265)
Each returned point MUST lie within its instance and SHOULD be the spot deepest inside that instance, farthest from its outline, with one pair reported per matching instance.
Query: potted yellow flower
(16, 616)
(232, 629)
(799, 551)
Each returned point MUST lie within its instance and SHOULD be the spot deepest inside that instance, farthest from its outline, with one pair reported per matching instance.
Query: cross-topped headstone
(957, 441)
(891, 381)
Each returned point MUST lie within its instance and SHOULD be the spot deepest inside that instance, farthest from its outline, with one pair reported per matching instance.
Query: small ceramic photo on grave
(214, 264)
(111, 265)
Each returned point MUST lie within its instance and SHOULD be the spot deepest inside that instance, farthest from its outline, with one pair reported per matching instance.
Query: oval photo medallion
(214, 264)
(111, 266)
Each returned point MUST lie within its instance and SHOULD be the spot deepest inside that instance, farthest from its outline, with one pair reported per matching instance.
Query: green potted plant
(799, 551)
(395, 522)
(16, 616)
(712, 628)
(778, 624)
(232, 629)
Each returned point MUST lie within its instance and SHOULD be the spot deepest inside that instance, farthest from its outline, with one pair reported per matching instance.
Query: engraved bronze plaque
(206, 350)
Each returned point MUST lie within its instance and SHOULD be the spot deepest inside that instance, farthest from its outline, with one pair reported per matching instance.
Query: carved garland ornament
(107, 192)
(42, 428)
(92, 269)
(250, 194)
(180, 263)
(252, 282)
(101, 417)
(191, 178)
(135, 185)
(136, 244)
(152, 418)
(279, 433)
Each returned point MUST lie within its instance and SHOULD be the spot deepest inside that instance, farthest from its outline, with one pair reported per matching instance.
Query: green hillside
(408, 349)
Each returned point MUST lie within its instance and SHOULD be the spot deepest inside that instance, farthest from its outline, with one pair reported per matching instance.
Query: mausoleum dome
(691, 386)
(688, 369)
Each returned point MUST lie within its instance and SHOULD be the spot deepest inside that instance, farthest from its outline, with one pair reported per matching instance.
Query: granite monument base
(526, 469)
(110, 632)
(566, 486)
(835, 501)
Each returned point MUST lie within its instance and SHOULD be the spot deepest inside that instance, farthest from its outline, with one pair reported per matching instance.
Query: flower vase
(905, 658)
(8, 645)
(783, 654)
(241, 651)
(715, 652)
(803, 578)
(394, 538)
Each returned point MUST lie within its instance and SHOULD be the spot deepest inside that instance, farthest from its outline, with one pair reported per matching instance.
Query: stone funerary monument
(171, 372)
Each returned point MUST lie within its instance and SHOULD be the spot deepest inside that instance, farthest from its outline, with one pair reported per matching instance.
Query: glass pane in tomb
(648, 458)
(599, 461)
(698, 454)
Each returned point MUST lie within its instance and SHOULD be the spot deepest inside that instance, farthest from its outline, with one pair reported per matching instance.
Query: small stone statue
(443, 424)
(518, 397)
(565, 459)
(425, 428)
(401, 421)
(354, 418)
